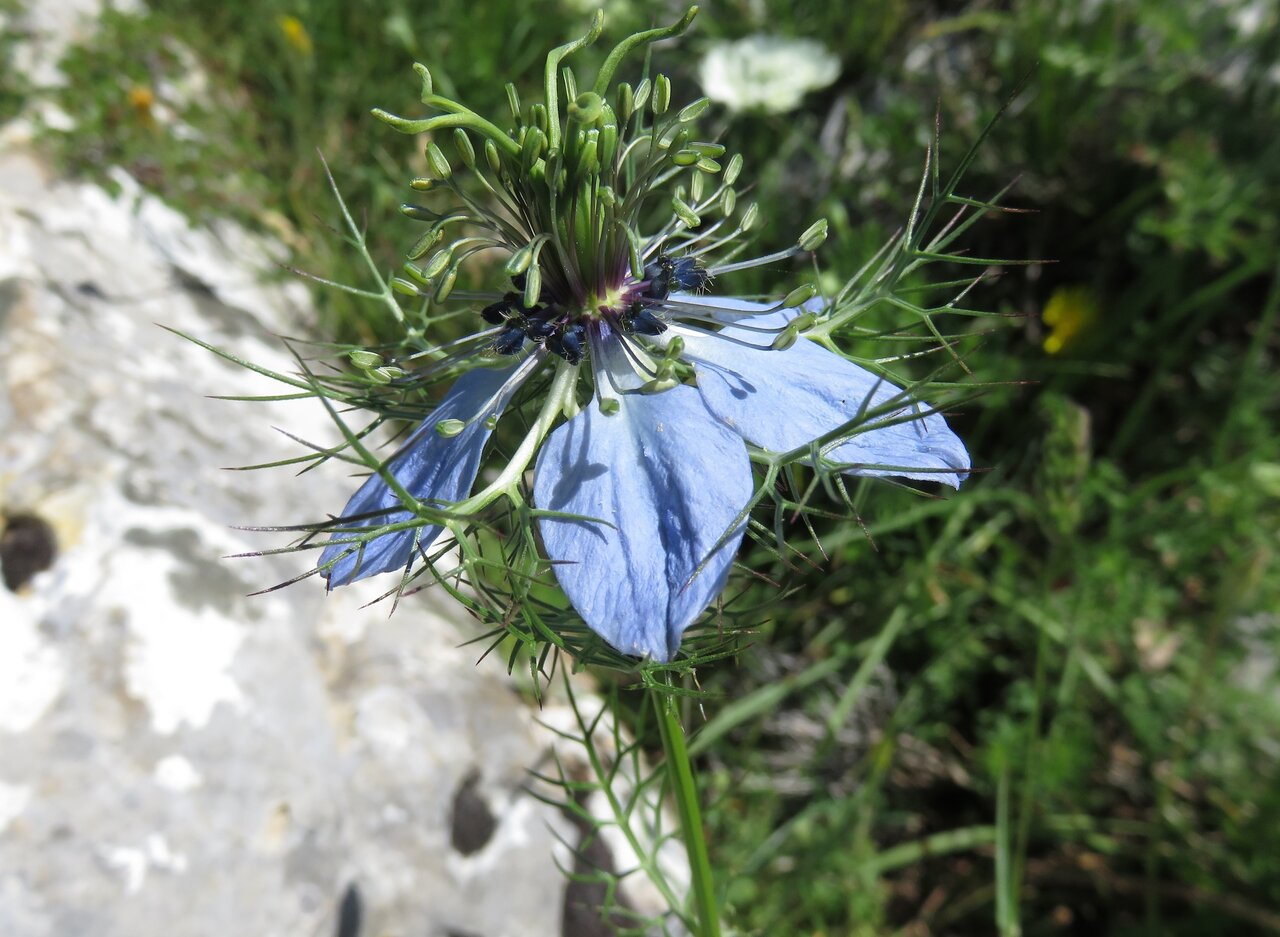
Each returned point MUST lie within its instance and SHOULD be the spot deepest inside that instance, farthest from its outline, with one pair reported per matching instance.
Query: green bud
(450, 428)
(466, 152)
(587, 108)
(661, 95)
(425, 243)
(405, 287)
(426, 80)
(813, 235)
(626, 101)
(799, 296)
(445, 286)
(750, 217)
(609, 406)
(692, 111)
(532, 286)
(728, 202)
(708, 165)
(492, 157)
(365, 359)
(733, 170)
(684, 212)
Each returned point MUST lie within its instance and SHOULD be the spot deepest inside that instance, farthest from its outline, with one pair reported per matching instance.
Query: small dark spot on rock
(27, 546)
(349, 913)
(473, 821)
(460, 933)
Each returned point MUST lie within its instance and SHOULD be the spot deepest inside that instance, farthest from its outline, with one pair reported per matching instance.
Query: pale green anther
(436, 263)
(379, 376)
(418, 213)
(450, 428)
(708, 165)
(712, 150)
(426, 80)
(684, 212)
(799, 296)
(492, 157)
(538, 116)
(684, 158)
(692, 112)
(365, 359)
(491, 422)
(661, 95)
(422, 184)
(677, 142)
(813, 235)
(786, 339)
(643, 91)
(728, 202)
(532, 287)
(513, 101)
(439, 164)
(417, 273)
(696, 185)
(804, 322)
(425, 243)
(587, 161)
(733, 170)
(626, 101)
(608, 144)
(666, 369)
(405, 287)
(445, 287)
(518, 262)
(750, 217)
(675, 347)
(586, 108)
(535, 141)
(609, 406)
(659, 385)
(466, 152)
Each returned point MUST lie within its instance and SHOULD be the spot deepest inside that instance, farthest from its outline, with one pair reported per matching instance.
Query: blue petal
(665, 481)
(781, 400)
(430, 467)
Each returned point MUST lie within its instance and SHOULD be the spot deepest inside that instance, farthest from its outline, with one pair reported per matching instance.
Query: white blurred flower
(766, 73)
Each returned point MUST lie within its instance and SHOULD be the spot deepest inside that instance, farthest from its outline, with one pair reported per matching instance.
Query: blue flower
(645, 489)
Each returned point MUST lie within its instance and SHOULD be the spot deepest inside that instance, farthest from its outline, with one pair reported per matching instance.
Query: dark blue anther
(569, 343)
(544, 326)
(688, 274)
(510, 340)
(639, 320)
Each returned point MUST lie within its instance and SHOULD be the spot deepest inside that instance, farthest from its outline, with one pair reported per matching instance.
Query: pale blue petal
(432, 468)
(781, 400)
(670, 480)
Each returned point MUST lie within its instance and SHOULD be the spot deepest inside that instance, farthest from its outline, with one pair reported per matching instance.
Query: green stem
(680, 774)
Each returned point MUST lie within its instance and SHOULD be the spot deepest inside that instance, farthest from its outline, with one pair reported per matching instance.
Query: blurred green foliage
(1049, 705)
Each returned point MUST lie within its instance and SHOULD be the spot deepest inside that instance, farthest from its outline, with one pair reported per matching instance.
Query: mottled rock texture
(177, 758)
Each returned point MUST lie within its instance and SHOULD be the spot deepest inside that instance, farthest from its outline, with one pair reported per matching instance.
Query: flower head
(656, 415)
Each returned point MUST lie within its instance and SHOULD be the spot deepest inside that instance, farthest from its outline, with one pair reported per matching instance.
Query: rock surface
(177, 758)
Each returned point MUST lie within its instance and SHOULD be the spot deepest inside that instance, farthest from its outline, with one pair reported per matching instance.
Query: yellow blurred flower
(1071, 311)
(295, 34)
(142, 99)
